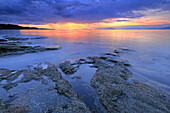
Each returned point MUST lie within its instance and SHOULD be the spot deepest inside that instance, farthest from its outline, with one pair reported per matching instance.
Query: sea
(149, 56)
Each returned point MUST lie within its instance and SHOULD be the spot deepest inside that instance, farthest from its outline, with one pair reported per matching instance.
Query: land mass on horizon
(12, 26)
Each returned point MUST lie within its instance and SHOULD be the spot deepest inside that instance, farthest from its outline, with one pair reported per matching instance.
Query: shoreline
(113, 84)
(100, 83)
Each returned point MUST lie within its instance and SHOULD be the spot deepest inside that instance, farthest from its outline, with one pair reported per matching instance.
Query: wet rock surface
(18, 46)
(70, 67)
(112, 84)
(17, 109)
(39, 37)
(119, 92)
(116, 88)
(12, 78)
(14, 38)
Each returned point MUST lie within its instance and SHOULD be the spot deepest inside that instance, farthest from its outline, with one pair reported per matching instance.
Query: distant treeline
(11, 26)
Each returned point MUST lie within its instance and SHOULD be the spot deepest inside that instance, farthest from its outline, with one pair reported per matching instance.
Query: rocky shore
(37, 72)
(17, 46)
(113, 82)
(118, 91)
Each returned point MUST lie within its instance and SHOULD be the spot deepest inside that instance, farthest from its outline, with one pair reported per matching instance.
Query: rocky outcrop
(15, 38)
(39, 38)
(119, 92)
(17, 46)
(70, 67)
(17, 109)
(116, 88)
(7, 108)
(51, 71)
(14, 49)
(11, 78)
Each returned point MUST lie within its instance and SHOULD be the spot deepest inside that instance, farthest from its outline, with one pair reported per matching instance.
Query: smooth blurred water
(150, 57)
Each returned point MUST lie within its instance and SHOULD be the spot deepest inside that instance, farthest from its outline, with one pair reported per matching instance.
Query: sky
(86, 14)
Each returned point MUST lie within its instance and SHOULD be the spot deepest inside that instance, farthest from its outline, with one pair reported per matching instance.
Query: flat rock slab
(70, 67)
(39, 72)
(119, 92)
(16, 48)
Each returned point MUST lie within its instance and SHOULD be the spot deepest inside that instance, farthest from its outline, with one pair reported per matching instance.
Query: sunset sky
(86, 14)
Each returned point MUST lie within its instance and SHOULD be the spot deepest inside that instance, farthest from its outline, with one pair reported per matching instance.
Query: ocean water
(149, 55)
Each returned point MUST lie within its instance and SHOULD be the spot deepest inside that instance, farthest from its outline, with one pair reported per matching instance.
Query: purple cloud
(81, 11)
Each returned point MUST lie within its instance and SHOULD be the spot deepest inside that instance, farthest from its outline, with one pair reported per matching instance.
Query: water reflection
(106, 36)
(70, 35)
(150, 61)
(84, 33)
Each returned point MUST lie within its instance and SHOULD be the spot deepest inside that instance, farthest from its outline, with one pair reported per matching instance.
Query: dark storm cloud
(88, 11)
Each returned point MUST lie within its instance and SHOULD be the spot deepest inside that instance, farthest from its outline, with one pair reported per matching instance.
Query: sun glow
(114, 23)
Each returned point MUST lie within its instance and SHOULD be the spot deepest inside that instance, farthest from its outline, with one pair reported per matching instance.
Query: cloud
(122, 20)
(162, 26)
(79, 11)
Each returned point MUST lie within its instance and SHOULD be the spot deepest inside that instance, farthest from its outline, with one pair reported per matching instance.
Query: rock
(3, 40)
(67, 68)
(9, 86)
(51, 71)
(125, 62)
(12, 48)
(103, 58)
(18, 47)
(125, 49)
(116, 51)
(82, 61)
(54, 48)
(17, 109)
(111, 54)
(3, 107)
(73, 62)
(88, 61)
(70, 67)
(39, 37)
(97, 61)
(36, 72)
(77, 77)
(117, 94)
(15, 38)
(122, 50)
(1, 102)
(111, 60)
(10, 99)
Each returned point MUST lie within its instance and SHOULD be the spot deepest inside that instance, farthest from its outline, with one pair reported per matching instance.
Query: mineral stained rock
(119, 92)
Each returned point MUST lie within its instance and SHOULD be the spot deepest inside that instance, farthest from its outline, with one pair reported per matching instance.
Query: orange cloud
(105, 23)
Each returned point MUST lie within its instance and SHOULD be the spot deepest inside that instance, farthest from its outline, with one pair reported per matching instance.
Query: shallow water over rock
(39, 89)
(143, 53)
(82, 87)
